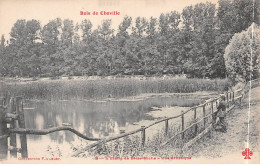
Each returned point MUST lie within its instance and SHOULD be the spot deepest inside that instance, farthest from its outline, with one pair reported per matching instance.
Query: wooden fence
(12, 123)
(232, 98)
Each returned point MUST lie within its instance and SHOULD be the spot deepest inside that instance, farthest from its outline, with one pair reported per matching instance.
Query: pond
(97, 118)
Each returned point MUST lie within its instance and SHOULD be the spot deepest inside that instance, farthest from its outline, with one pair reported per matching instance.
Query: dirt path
(228, 147)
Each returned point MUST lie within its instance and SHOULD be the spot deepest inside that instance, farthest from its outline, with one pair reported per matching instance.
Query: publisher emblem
(247, 153)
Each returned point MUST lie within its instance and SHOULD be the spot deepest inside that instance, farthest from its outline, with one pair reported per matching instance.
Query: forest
(192, 42)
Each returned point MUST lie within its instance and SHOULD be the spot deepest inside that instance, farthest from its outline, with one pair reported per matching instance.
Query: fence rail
(14, 113)
(51, 130)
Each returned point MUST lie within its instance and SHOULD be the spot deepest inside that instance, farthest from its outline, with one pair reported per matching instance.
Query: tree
(187, 38)
(197, 38)
(140, 27)
(2, 41)
(151, 63)
(136, 47)
(121, 50)
(51, 33)
(67, 33)
(244, 11)
(86, 27)
(242, 54)
(2, 55)
(232, 17)
(168, 42)
(24, 35)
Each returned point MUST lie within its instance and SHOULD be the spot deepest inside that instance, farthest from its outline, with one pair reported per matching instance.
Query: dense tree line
(192, 42)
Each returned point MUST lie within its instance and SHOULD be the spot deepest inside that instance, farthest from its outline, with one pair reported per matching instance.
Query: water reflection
(96, 119)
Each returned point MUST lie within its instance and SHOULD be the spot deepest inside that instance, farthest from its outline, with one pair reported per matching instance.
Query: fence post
(204, 119)
(213, 118)
(143, 136)
(13, 146)
(2, 101)
(227, 100)
(166, 128)
(182, 124)
(23, 139)
(3, 134)
(213, 114)
(195, 120)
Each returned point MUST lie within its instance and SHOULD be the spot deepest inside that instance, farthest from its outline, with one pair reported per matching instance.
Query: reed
(107, 88)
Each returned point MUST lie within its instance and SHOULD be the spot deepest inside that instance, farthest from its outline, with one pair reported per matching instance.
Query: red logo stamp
(247, 153)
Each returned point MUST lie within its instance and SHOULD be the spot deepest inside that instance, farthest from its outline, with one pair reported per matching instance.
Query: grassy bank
(106, 88)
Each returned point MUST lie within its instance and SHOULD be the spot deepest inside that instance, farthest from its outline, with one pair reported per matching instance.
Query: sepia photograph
(129, 81)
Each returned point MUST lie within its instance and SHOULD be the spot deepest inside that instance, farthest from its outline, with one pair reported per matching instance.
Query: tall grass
(105, 88)
(130, 146)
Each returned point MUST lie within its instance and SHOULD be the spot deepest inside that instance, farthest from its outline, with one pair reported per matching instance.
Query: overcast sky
(45, 10)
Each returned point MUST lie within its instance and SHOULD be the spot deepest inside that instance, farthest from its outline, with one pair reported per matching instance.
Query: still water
(95, 118)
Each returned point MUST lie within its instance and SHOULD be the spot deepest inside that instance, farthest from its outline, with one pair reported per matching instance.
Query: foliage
(242, 54)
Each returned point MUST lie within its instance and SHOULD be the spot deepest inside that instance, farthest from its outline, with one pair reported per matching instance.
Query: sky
(46, 10)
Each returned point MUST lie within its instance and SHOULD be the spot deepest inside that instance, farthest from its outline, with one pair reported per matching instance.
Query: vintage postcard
(129, 81)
